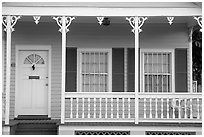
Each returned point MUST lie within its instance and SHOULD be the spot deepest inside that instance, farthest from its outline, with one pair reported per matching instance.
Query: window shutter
(71, 69)
(131, 70)
(181, 70)
(118, 69)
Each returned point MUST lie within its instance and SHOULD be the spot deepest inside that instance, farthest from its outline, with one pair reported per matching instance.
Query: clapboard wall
(89, 36)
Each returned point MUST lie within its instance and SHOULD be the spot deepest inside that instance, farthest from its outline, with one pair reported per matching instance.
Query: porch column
(191, 59)
(8, 22)
(63, 22)
(136, 24)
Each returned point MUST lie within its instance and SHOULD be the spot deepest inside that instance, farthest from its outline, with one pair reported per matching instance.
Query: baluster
(123, 103)
(162, 109)
(111, 107)
(82, 107)
(191, 108)
(198, 108)
(173, 106)
(144, 107)
(117, 103)
(89, 107)
(179, 108)
(94, 107)
(77, 111)
(71, 108)
(185, 108)
(106, 109)
(167, 108)
(156, 115)
(150, 107)
(100, 108)
(128, 107)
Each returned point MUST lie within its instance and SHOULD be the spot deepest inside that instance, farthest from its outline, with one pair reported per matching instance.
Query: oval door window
(34, 59)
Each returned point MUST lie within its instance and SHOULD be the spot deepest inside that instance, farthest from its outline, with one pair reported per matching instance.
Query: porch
(141, 77)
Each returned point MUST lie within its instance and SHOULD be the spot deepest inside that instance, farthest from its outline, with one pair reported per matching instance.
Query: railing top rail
(170, 95)
(99, 94)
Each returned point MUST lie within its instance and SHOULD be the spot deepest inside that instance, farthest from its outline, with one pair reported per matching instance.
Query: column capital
(140, 21)
(68, 21)
(9, 22)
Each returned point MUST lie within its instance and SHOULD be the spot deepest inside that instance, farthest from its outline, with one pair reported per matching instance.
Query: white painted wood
(156, 115)
(111, 102)
(89, 108)
(77, 107)
(190, 61)
(137, 54)
(123, 110)
(63, 69)
(150, 107)
(78, 11)
(71, 107)
(83, 110)
(145, 107)
(32, 48)
(118, 104)
(32, 94)
(162, 109)
(8, 68)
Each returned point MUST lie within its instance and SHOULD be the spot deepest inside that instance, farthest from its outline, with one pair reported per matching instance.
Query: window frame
(172, 65)
(79, 67)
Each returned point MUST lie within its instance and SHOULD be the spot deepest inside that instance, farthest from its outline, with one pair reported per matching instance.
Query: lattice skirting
(169, 133)
(102, 132)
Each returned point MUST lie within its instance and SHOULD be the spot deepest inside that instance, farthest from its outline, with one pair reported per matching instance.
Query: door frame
(37, 48)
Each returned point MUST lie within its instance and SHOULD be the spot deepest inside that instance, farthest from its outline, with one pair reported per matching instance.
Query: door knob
(46, 84)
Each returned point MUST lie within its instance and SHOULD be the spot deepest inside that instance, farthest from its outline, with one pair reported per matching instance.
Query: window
(34, 58)
(94, 70)
(156, 71)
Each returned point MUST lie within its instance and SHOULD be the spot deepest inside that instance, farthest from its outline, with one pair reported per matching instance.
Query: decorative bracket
(141, 21)
(170, 19)
(13, 20)
(68, 21)
(199, 20)
(36, 19)
(100, 20)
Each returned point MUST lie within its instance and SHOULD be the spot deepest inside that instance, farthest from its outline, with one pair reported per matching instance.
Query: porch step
(32, 117)
(36, 129)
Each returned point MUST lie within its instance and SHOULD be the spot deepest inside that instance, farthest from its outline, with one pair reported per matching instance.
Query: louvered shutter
(131, 70)
(71, 69)
(118, 69)
(181, 70)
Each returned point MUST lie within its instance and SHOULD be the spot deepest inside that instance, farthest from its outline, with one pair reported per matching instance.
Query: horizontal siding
(89, 36)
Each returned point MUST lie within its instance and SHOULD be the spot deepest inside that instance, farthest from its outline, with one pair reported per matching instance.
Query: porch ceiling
(103, 8)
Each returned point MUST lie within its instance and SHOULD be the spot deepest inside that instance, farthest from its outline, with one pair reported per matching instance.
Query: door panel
(32, 80)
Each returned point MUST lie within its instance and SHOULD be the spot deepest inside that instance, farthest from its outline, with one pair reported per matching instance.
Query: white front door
(32, 94)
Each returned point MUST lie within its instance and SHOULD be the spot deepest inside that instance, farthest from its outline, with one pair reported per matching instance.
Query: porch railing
(99, 107)
(120, 107)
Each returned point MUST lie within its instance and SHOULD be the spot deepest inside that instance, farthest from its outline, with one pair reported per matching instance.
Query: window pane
(94, 71)
(157, 71)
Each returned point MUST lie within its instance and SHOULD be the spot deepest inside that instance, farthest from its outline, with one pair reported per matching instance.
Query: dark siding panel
(71, 69)
(181, 70)
(118, 69)
(131, 70)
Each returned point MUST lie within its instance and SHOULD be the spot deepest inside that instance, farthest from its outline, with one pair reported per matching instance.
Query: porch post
(136, 24)
(191, 59)
(8, 22)
(137, 54)
(63, 22)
